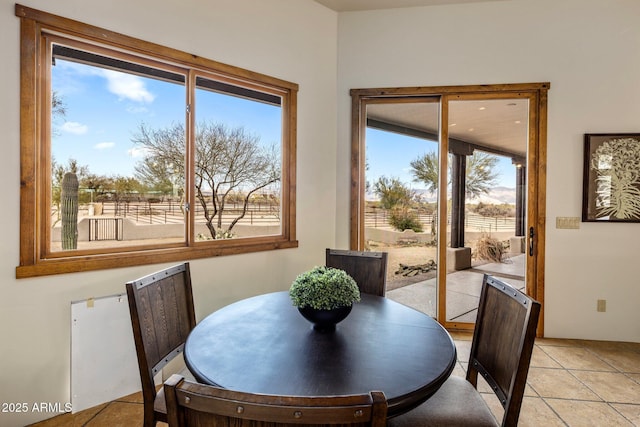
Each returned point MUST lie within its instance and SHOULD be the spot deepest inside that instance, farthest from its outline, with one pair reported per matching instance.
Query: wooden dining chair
(501, 351)
(162, 315)
(368, 269)
(193, 404)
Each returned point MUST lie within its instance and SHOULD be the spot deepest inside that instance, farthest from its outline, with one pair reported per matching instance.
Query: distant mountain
(496, 196)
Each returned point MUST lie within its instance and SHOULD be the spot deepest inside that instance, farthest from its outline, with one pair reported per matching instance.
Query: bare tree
(163, 177)
(58, 111)
(228, 162)
(58, 108)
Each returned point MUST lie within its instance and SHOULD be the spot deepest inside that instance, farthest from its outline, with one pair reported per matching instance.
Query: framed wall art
(611, 185)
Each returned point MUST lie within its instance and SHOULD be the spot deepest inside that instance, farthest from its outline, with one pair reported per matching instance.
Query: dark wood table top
(264, 345)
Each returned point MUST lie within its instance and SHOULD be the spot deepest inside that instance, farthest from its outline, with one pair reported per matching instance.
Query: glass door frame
(536, 93)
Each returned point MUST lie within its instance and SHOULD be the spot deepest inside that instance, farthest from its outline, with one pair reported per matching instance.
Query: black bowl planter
(325, 320)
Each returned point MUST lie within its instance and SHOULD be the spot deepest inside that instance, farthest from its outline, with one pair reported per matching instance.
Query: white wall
(587, 49)
(288, 39)
(590, 52)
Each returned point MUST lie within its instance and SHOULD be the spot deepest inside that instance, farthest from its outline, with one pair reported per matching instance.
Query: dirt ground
(415, 254)
(407, 255)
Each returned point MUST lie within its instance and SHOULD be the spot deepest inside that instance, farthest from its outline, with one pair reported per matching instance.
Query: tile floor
(574, 383)
(571, 383)
(463, 289)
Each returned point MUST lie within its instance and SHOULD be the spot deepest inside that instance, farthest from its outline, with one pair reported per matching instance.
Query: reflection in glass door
(487, 146)
(400, 196)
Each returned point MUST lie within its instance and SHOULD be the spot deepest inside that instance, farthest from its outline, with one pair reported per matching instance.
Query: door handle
(531, 236)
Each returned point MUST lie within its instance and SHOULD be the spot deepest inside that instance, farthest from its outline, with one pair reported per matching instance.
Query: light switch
(602, 305)
(568, 222)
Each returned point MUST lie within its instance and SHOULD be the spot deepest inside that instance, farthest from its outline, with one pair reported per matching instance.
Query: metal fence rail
(172, 213)
(379, 218)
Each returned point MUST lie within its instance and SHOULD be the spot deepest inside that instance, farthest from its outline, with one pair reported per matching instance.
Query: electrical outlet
(568, 222)
(602, 305)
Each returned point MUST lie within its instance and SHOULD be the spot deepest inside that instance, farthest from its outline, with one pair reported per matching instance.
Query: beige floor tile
(132, 398)
(558, 383)
(73, 420)
(461, 335)
(530, 392)
(540, 359)
(464, 349)
(630, 412)
(612, 345)
(635, 377)
(119, 414)
(577, 358)
(483, 387)
(622, 360)
(494, 404)
(587, 414)
(535, 413)
(64, 420)
(458, 371)
(559, 342)
(611, 386)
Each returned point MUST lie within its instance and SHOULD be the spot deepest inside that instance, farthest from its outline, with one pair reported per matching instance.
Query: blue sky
(104, 109)
(390, 154)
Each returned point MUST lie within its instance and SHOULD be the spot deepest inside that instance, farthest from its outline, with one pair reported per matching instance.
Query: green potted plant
(324, 296)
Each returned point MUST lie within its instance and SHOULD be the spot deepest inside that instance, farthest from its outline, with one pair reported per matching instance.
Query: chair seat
(500, 353)
(456, 403)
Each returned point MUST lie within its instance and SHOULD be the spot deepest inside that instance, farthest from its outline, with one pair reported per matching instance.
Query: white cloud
(138, 152)
(127, 86)
(104, 145)
(75, 128)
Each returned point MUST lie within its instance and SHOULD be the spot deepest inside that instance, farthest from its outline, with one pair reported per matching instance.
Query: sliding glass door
(401, 197)
(447, 181)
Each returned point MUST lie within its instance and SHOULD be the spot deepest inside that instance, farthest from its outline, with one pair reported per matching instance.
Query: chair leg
(149, 418)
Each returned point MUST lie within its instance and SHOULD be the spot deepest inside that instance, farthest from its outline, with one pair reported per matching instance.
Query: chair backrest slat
(162, 315)
(191, 404)
(503, 342)
(368, 269)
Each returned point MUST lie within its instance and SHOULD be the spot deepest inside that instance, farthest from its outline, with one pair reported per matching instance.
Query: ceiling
(499, 125)
(354, 5)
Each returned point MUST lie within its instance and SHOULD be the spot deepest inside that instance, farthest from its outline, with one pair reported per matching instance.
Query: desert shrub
(496, 211)
(490, 249)
(404, 219)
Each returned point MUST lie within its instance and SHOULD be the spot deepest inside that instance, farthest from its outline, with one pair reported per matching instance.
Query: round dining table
(263, 345)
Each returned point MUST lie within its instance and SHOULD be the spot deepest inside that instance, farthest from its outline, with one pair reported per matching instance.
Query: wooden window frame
(35, 150)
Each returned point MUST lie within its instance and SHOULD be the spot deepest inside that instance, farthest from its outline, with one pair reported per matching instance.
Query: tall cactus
(69, 208)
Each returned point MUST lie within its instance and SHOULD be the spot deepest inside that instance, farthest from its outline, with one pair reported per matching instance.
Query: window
(133, 153)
